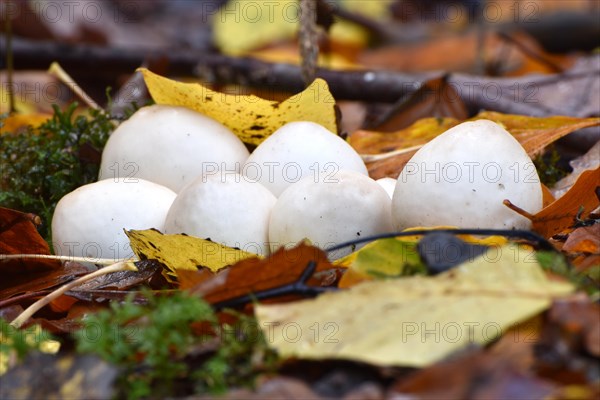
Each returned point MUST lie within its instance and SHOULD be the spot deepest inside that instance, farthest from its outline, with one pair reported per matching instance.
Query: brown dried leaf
(253, 275)
(18, 235)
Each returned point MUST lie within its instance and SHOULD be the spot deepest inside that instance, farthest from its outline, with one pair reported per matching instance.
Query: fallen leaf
(19, 235)
(239, 26)
(415, 321)
(434, 99)
(17, 122)
(251, 275)
(182, 252)
(535, 133)
(561, 214)
(251, 118)
(584, 240)
(17, 284)
(268, 22)
(383, 258)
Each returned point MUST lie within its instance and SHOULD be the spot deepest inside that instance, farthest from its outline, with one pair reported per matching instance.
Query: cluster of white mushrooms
(175, 170)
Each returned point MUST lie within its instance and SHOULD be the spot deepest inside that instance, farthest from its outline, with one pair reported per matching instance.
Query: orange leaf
(535, 133)
(560, 215)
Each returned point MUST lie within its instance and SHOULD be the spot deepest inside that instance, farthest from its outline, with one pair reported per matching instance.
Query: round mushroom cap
(226, 208)
(461, 178)
(89, 221)
(170, 146)
(300, 149)
(329, 211)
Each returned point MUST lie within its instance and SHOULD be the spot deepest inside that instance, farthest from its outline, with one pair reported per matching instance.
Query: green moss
(175, 339)
(42, 164)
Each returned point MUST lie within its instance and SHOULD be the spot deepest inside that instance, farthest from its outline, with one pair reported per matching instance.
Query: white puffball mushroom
(170, 146)
(89, 221)
(461, 178)
(330, 211)
(388, 184)
(300, 149)
(226, 208)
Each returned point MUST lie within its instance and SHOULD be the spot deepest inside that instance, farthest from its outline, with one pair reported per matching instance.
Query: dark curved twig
(539, 241)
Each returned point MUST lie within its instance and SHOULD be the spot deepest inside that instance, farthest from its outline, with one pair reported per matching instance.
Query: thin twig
(9, 60)
(35, 307)
(62, 75)
(308, 40)
(100, 261)
(389, 154)
(298, 287)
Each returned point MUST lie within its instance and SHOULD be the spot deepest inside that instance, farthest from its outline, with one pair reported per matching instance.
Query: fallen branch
(535, 95)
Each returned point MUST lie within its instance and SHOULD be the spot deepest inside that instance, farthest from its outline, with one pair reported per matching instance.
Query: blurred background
(100, 43)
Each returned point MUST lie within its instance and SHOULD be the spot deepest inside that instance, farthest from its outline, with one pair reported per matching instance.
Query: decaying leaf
(415, 321)
(561, 214)
(251, 118)
(182, 252)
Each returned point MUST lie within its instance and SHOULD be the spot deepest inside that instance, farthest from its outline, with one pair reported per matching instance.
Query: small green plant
(155, 344)
(42, 164)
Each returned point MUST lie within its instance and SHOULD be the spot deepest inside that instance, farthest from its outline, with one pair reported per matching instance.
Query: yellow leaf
(251, 118)
(418, 320)
(16, 122)
(178, 252)
(242, 25)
